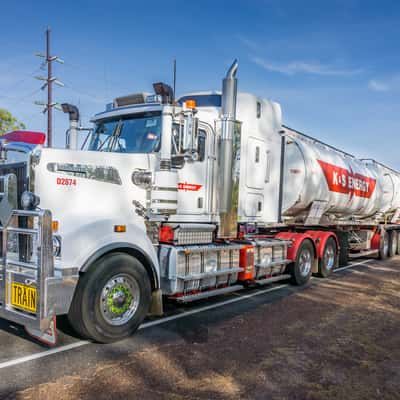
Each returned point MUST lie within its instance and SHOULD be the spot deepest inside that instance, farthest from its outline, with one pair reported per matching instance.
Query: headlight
(56, 246)
(142, 178)
(29, 201)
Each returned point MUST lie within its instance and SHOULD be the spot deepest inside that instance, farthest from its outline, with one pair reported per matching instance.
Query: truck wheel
(301, 269)
(328, 262)
(398, 243)
(393, 243)
(383, 245)
(112, 299)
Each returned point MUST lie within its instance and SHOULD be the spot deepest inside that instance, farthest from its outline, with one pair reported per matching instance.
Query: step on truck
(180, 198)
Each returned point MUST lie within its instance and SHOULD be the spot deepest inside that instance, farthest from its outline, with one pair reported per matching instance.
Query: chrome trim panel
(194, 277)
(101, 173)
(207, 294)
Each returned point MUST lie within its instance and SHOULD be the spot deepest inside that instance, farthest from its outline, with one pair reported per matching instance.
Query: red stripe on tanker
(345, 181)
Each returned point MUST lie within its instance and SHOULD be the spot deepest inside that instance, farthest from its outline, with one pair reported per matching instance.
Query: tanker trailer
(357, 199)
(389, 181)
(343, 186)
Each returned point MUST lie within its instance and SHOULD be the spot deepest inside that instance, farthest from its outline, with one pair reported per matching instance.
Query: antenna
(48, 83)
(174, 95)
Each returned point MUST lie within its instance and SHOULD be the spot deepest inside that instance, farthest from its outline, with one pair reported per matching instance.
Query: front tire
(301, 269)
(112, 299)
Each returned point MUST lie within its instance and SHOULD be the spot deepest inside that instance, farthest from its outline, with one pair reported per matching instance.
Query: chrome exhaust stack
(72, 132)
(229, 157)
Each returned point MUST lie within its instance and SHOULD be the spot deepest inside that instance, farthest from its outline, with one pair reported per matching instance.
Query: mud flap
(49, 337)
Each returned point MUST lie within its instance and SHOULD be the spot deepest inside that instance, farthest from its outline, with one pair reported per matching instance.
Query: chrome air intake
(72, 132)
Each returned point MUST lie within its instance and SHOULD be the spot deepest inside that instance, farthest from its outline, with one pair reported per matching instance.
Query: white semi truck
(185, 199)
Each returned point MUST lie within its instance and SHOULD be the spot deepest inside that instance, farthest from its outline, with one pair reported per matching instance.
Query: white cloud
(378, 86)
(249, 43)
(295, 67)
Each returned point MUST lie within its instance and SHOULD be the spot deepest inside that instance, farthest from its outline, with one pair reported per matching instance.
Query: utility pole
(49, 80)
(49, 92)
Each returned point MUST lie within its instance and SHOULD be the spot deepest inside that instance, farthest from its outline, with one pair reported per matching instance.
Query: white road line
(210, 307)
(354, 265)
(146, 325)
(42, 354)
(46, 353)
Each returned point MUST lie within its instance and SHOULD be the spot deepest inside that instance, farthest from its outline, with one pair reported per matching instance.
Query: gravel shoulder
(338, 339)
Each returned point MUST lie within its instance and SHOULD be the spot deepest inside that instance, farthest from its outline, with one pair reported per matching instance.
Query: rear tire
(398, 242)
(301, 269)
(112, 299)
(329, 259)
(383, 245)
(393, 243)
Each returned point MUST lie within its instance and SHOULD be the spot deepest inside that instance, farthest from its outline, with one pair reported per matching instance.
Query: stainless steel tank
(389, 182)
(343, 184)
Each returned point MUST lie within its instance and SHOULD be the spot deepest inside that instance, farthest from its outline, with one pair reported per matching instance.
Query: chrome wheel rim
(386, 244)
(119, 299)
(305, 262)
(394, 243)
(329, 258)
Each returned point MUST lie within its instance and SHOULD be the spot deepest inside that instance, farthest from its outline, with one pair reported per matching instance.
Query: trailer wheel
(383, 245)
(301, 269)
(112, 299)
(328, 262)
(398, 243)
(393, 243)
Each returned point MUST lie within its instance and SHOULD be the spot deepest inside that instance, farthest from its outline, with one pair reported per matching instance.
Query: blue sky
(334, 66)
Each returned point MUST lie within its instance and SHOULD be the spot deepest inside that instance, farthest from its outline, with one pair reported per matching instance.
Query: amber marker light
(119, 228)
(54, 225)
(191, 104)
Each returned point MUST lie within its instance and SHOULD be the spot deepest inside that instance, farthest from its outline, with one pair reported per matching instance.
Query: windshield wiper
(114, 132)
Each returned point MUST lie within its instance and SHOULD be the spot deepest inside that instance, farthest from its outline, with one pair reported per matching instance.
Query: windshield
(133, 134)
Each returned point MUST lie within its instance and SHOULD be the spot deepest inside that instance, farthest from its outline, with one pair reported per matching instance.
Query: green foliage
(8, 122)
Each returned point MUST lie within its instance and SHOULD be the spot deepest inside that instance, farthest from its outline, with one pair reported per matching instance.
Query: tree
(8, 122)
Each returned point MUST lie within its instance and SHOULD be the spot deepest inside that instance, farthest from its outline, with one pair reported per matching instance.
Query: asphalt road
(25, 363)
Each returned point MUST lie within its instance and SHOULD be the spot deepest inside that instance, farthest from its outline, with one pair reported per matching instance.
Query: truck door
(194, 184)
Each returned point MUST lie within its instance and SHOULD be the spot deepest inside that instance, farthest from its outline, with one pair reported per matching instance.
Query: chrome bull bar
(24, 285)
(27, 265)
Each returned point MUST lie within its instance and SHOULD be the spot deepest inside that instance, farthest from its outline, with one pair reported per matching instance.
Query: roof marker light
(191, 104)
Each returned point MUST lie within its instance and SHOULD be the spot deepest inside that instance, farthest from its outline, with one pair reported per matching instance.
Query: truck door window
(202, 145)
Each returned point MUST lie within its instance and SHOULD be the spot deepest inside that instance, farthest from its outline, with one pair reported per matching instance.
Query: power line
(21, 99)
(92, 72)
(18, 82)
(86, 94)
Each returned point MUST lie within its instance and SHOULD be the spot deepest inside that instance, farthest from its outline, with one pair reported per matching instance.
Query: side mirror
(177, 162)
(190, 135)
